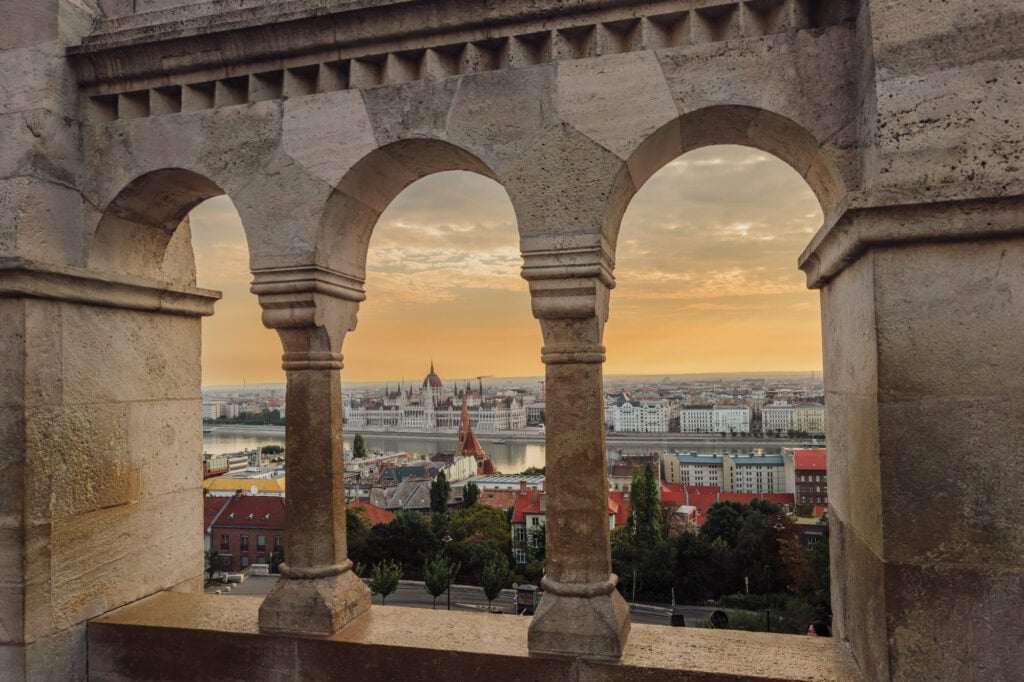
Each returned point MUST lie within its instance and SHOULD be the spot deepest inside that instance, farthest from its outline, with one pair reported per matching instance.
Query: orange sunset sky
(705, 270)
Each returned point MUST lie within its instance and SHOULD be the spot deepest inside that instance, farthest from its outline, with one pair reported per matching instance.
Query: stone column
(923, 316)
(581, 613)
(312, 309)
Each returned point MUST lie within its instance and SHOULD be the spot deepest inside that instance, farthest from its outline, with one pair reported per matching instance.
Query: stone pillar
(312, 309)
(581, 613)
(923, 317)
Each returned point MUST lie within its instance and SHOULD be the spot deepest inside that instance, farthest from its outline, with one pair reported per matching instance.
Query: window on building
(244, 563)
(225, 541)
(244, 539)
(260, 559)
(261, 543)
(277, 542)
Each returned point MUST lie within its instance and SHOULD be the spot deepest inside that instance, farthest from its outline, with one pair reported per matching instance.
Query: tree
(356, 528)
(470, 494)
(358, 446)
(493, 579)
(276, 559)
(408, 540)
(271, 450)
(213, 562)
(644, 520)
(440, 491)
(532, 471)
(384, 581)
(438, 573)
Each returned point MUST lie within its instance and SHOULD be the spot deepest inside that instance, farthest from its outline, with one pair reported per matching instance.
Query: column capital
(570, 277)
(312, 308)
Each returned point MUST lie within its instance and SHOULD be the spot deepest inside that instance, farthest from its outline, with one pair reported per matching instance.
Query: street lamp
(448, 567)
(768, 598)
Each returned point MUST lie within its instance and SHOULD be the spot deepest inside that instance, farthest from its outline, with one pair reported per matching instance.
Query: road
(470, 598)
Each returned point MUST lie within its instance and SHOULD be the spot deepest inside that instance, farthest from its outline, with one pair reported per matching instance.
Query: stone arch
(370, 185)
(739, 125)
(138, 232)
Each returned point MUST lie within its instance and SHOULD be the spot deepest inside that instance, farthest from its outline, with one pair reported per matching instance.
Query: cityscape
(753, 440)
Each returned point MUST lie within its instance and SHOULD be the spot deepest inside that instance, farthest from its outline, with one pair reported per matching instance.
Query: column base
(321, 605)
(580, 621)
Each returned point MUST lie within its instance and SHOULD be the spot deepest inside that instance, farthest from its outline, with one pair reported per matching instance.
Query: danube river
(508, 457)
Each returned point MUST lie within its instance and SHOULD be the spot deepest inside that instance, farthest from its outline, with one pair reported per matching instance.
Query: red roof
(374, 514)
(820, 509)
(501, 499)
(529, 503)
(253, 511)
(703, 496)
(619, 505)
(678, 494)
(211, 507)
(809, 460)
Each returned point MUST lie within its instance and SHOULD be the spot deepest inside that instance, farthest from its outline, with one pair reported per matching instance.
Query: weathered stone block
(859, 599)
(410, 110)
(854, 471)
(61, 656)
(942, 617)
(596, 96)
(148, 367)
(40, 144)
(165, 442)
(36, 77)
(849, 340)
(941, 460)
(327, 134)
(76, 460)
(495, 128)
(157, 542)
(44, 361)
(40, 220)
(956, 132)
(948, 316)
(12, 344)
(567, 184)
(12, 606)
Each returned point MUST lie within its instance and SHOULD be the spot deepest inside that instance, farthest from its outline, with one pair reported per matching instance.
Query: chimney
(522, 487)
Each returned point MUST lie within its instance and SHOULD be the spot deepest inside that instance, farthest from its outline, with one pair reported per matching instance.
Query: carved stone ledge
(859, 229)
(23, 278)
(293, 297)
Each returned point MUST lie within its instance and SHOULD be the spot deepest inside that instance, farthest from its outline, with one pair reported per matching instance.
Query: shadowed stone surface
(140, 642)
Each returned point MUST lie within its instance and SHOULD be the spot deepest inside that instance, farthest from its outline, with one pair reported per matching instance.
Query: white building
(647, 416)
(696, 419)
(777, 417)
(758, 473)
(714, 419)
(730, 419)
(218, 409)
(692, 468)
(753, 473)
(435, 407)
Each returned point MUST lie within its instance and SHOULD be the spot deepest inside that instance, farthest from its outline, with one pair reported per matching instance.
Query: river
(510, 457)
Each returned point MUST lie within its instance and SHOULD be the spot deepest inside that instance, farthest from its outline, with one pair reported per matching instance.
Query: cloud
(705, 263)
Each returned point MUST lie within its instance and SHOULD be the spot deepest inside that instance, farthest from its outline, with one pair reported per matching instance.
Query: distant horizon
(693, 376)
(705, 279)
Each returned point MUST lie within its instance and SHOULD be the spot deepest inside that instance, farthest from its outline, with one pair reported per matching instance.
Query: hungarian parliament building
(435, 407)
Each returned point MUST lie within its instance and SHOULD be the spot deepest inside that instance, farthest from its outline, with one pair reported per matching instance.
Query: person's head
(819, 628)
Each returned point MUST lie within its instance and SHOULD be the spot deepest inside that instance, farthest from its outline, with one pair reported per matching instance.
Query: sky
(706, 280)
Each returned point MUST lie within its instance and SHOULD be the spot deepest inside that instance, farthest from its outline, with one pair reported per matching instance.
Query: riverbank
(678, 441)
